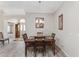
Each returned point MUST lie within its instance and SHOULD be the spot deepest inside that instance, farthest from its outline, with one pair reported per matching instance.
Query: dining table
(46, 41)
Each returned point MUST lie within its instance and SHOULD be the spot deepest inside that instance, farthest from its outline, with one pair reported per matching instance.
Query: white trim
(66, 54)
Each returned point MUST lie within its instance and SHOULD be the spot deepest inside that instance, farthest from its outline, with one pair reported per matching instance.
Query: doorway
(20, 28)
(17, 30)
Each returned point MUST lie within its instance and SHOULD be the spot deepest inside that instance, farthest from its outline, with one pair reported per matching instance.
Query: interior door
(17, 30)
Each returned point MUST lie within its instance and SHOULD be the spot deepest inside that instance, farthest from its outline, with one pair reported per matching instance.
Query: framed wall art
(60, 22)
(39, 22)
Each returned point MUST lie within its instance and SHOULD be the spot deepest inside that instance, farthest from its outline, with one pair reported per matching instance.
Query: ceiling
(22, 7)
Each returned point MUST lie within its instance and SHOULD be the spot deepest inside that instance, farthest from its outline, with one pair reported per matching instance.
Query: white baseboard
(64, 52)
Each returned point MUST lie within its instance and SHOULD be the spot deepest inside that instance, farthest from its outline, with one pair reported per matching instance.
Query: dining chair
(2, 39)
(53, 35)
(27, 44)
(51, 42)
(39, 47)
(25, 37)
(39, 33)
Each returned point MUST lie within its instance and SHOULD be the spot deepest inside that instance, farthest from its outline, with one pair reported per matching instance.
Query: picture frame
(60, 21)
(39, 22)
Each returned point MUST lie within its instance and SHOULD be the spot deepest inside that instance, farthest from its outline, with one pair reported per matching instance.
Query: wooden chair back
(1, 35)
(25, 36)
(39, 33)
(53, 35)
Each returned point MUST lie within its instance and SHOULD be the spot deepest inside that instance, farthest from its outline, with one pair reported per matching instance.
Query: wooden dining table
(47, 40)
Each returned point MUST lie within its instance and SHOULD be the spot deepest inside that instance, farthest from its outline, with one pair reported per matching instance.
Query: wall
(1, 20)
(30, 23)
(68, 38)
(1, 24)
(13, 19)
(5, 29)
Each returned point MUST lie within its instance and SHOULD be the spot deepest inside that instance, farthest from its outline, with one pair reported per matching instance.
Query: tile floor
(17, 49)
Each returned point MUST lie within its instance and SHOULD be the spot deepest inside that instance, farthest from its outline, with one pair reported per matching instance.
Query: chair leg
(54, 50)
(26, 51)
(8, 41)
(3, 42)
(34, 51)
(53, 47)
(44, 50)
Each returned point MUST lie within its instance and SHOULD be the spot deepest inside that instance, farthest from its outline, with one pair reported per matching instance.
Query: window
(10, 28)
(22, 24)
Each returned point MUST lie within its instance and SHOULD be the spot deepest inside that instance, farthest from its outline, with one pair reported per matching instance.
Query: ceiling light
(39, 1)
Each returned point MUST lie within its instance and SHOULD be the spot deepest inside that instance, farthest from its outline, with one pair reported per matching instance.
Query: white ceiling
(22, 7)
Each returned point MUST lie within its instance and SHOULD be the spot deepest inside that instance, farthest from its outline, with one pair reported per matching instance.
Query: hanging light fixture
(39, 1)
